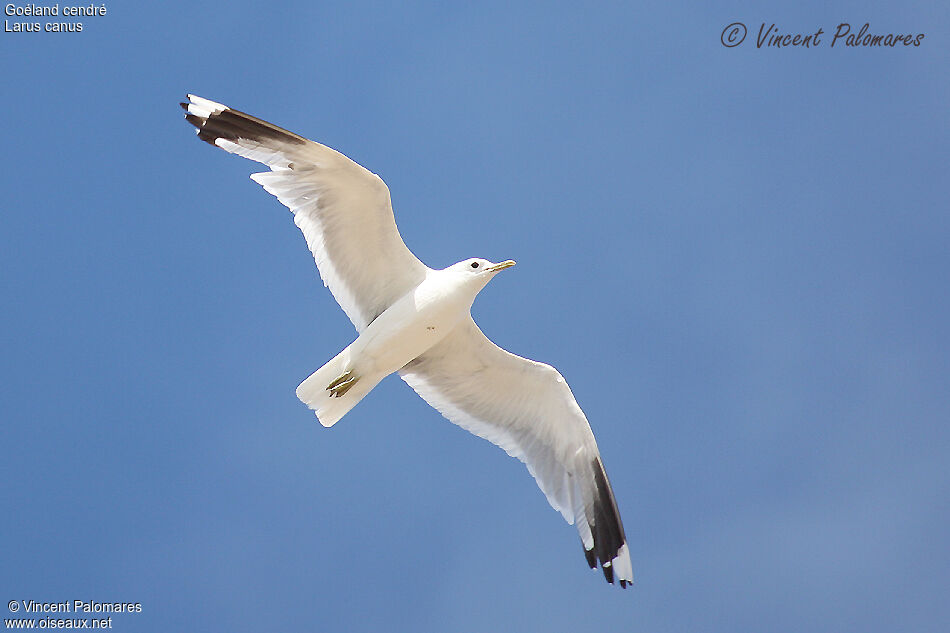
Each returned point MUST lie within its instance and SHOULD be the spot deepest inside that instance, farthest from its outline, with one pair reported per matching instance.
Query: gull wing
(526, 408)
(343, 209)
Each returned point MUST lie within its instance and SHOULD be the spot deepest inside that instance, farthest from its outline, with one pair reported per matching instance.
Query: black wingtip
(605, 526)
(591, 558)
(234, 125)
(203, 132)
(184, 106)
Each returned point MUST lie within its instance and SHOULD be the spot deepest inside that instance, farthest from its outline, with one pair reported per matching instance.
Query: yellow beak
(505, 264)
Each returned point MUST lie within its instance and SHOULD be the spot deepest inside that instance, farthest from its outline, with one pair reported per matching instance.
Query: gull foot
(341, 385)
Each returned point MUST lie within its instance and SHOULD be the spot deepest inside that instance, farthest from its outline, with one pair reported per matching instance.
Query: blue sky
(737, 257)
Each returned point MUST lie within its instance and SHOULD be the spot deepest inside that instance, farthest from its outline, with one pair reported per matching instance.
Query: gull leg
(342, 378)
(341, 385)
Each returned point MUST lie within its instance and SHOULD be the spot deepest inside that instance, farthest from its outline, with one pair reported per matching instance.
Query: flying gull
(417, 321)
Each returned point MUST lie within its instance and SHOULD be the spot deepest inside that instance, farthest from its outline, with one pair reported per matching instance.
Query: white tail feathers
(329, 407)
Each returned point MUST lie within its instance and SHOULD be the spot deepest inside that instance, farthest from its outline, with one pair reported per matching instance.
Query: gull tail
(333, 390)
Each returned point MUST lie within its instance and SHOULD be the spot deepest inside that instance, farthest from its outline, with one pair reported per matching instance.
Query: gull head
(477, 272)
(481, 267)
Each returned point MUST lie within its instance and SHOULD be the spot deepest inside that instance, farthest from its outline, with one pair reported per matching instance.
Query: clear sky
(738, 257)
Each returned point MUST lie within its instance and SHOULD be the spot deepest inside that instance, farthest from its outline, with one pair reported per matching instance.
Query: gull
(416, 321)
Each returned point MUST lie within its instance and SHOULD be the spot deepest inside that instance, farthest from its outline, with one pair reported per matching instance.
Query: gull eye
(474, 264)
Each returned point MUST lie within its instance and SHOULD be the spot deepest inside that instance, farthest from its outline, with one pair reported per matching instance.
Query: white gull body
(417, 321)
